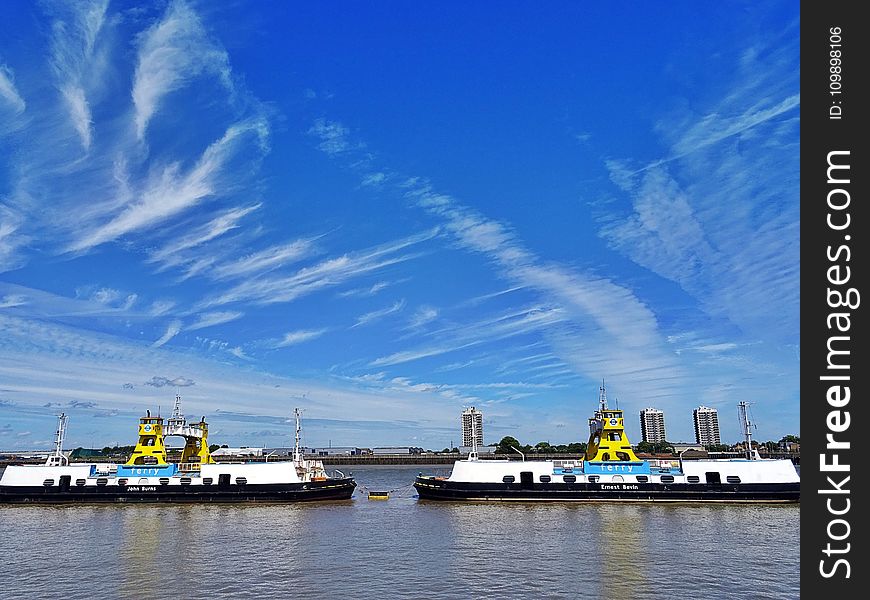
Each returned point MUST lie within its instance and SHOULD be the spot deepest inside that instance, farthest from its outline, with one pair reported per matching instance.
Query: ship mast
(297, 448)
(57, 458)
(602, 398)
(747, 430)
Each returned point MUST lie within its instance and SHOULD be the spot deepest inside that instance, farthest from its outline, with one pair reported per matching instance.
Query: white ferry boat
(611, 471)
(148, 476)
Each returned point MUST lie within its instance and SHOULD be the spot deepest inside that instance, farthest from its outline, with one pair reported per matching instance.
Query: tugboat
(149, 477)
(612, 471)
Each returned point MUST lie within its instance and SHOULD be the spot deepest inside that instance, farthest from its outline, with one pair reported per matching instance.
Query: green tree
(213, 447)
(506, 445)
(543, 447)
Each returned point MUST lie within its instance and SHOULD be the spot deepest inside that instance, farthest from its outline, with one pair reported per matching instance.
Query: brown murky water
(401, 548)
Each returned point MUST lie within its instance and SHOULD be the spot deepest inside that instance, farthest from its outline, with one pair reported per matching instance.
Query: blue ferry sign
(608, 467)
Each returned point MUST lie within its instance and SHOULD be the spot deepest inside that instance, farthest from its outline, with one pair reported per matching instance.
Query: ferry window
(544, 478)
(593, 478)
(605, 456)
(732, 479)
(508, 478)
(122, 481)
(667, 478)
(713, 477)
(164, 481)
(569, 478)
(80, 481)
(241, 480)
(185, 481)
(693, 479)
(206, 480)
(102, 481)
(48, 482)
(642, 478)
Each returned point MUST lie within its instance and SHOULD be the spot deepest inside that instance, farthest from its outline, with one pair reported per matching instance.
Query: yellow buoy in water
(379, 495)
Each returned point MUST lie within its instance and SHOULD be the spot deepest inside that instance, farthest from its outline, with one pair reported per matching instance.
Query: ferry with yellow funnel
(148, 476)
(610, 470)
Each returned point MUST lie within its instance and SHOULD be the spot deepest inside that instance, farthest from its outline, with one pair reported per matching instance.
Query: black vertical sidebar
(835, 434)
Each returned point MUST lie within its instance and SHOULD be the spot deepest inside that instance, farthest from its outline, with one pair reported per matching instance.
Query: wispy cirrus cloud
(719, 215)
(214, 318)
(292, 338)
(77, 61)
(173, 329)
(172, 53)
(171, 254)
(172, 191)
(10, 98)
(375, 315)
(266, 260)
(328, 273)
(333, 136)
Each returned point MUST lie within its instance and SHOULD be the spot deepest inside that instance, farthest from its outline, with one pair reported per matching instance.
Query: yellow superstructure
(150, 449)
(196, 448)
(607, 439)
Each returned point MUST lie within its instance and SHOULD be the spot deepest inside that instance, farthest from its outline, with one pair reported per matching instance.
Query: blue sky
(384, 213)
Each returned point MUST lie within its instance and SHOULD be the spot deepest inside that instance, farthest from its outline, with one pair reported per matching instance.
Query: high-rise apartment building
(472, 416)
(652, 425)
(706, 426)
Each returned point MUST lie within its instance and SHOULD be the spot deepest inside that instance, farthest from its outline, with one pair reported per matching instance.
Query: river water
(401, 548)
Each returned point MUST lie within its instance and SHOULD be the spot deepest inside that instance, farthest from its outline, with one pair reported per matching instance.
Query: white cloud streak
(172, 330)
(375, 315)
(9, 93)
(76, 62)
(214, 318)
(328, 273)
(293, 338)
(172, 53)
(172, 191)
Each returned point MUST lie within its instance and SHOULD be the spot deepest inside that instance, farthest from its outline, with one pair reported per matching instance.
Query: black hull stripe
(444, 490)
(293, 492)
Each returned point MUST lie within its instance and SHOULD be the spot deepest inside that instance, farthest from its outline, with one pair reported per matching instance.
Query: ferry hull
(339, 489)
(431, 488)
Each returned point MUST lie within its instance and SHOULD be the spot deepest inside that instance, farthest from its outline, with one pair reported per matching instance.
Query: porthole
(185, 481)
(80, 482)
(732, 479)
(544, 478)
(508, 479)
(569, 478)
(164, 481)
(642, 478)
(102, 481)
(693, 479)
(593, 478)
(241, 480)
(667, 478)
(48, 482)
(207, 481)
